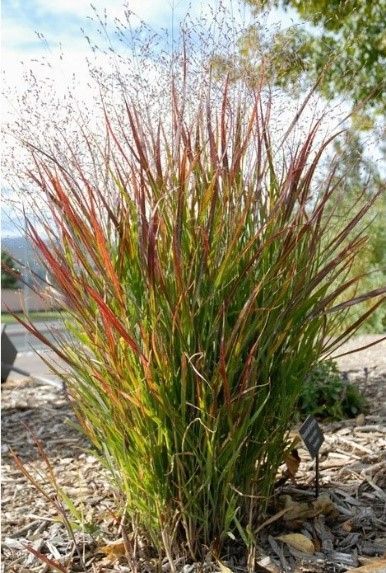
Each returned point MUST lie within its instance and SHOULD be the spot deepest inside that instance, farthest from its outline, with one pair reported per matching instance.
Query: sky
(60, 21)
(32, 29)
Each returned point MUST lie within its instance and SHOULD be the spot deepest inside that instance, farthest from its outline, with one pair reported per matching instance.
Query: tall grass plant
(201, 291)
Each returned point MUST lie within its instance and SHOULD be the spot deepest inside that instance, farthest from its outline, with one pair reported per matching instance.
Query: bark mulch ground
(344, 530)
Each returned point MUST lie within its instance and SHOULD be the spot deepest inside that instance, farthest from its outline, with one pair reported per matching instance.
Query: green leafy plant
(326, 394)
(9, 274)
(201, 291)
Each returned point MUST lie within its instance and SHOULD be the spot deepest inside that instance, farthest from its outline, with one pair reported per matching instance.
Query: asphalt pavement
(24, 341)
(32, 352)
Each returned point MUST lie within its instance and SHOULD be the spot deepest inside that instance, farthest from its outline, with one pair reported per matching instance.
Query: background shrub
(326, 394)
(9, 274)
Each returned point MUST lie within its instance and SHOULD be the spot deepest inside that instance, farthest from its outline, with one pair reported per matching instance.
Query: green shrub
(326, 394)
(200, 290)
(9, 274)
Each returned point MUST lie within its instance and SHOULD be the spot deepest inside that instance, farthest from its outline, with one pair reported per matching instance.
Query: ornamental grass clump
(200, 275)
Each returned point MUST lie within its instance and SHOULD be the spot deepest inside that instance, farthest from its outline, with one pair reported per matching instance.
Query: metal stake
(317, 476)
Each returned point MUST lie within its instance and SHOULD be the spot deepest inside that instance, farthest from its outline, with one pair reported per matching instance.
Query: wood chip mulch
(344, 530)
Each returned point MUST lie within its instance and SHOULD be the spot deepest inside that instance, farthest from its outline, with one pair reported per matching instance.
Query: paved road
(24, 341)
(28, 362)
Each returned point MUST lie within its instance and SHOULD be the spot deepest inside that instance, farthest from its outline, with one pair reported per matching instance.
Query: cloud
(151, 10)
(60, 22)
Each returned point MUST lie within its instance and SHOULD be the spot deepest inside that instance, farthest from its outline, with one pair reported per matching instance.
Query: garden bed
(347, 526)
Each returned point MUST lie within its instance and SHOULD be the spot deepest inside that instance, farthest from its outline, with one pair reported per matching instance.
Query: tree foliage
(344, 39)
(357, 178)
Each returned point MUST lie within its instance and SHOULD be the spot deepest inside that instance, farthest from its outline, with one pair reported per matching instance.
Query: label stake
(312, 436)
(317, 476)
